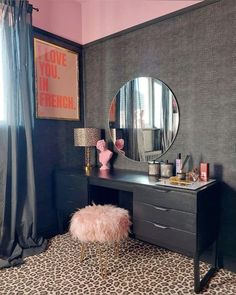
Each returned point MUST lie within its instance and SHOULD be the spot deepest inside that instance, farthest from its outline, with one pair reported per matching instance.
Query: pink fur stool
(100, 224)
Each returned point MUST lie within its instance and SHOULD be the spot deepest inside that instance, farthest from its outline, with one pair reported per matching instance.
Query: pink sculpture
(104, 155)
(120, 145)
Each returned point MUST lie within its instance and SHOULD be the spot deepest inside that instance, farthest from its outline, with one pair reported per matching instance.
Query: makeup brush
(182, 175)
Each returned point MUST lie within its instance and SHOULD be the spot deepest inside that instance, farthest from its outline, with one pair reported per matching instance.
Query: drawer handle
(162, 190)
(160, 208)
(160, 226)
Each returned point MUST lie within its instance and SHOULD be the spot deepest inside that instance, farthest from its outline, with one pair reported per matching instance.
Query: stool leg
(82, 251)
(102, 264)
(98, 250)
(100, 259)
(105, 264)
(117, 249)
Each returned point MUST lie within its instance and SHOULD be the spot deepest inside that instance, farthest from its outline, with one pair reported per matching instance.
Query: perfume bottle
(178, 164)
(204, 171)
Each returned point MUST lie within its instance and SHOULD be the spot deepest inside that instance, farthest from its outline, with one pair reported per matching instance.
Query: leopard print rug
(140, 269)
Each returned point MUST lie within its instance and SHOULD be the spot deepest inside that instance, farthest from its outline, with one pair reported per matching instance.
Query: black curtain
(129, 105)
(18, 234)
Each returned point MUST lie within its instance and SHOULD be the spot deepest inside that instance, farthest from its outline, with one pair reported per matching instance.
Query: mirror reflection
(143, 119)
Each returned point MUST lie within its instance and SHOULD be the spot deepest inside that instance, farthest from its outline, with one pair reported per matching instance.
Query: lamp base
(88, 166)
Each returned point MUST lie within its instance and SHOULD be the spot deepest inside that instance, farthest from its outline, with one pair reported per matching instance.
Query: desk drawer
(168, 217)
(70, 190)
(167, 198)
(172, 239)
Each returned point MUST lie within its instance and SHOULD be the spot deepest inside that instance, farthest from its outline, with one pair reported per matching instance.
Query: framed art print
(56, 81)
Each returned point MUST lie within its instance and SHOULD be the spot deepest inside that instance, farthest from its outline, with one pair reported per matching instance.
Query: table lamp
(87, 137)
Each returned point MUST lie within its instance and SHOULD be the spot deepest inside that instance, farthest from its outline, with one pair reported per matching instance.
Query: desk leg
(61, 222)
(196, 274)
(199, 284)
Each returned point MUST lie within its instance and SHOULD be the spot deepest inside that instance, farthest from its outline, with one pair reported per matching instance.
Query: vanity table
(180, 219)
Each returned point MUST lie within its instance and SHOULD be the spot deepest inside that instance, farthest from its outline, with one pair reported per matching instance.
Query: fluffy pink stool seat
(100, 223)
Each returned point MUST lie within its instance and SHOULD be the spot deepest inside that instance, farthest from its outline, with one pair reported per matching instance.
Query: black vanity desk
(182, 220)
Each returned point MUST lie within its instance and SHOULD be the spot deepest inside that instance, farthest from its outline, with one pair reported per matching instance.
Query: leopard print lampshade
(86, 136)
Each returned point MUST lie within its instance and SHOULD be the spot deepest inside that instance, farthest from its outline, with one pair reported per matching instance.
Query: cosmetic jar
(181, 175)
(153, 168)
(166, 169)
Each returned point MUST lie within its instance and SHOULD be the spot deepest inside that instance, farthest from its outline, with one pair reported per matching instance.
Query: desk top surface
(137, 178)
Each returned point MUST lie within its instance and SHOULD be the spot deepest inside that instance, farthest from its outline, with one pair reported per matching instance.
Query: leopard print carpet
(141, 269)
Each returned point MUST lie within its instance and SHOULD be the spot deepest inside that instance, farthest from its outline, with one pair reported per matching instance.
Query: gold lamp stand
(88, 138)
(88, 165)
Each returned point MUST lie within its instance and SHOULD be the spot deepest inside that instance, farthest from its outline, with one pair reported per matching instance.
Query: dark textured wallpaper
(54, 147)
(194, 54)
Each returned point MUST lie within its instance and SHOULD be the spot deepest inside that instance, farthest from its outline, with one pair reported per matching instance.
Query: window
(158, 111)
(2, 104)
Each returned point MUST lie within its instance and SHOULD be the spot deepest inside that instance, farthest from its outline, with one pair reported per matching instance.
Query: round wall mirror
(143, 119)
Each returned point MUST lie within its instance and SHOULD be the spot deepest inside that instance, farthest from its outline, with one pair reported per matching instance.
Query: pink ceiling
(84, 21)
(60, 17)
